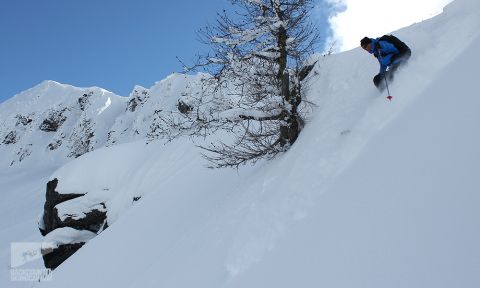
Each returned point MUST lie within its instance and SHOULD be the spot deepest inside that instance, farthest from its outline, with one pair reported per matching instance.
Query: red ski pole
(389, 97)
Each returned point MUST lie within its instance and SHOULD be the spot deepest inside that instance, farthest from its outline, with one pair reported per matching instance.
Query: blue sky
(113, 44)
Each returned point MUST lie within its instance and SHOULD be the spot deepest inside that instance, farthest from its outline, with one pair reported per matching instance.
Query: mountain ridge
(62, 122)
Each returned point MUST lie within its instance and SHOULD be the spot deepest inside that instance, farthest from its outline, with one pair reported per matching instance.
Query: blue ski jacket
(383, 51)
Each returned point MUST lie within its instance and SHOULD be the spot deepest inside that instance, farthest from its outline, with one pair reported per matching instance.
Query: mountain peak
(49, 83)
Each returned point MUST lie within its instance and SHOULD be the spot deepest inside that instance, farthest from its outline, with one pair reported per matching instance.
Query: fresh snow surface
(66, 235)
(373, 193)
(23, 195)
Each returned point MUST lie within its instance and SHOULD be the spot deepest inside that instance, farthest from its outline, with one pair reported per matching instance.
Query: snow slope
(37, 148)
(372, 194)
(84, 119)
(405, 212)
(50, 123)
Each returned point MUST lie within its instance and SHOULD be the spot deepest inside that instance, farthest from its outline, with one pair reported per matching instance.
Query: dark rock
(110, 138)
(132, 105)
(50, 218)
(54, 120)
(82, 139)
(49, 126)
(24, 152)
(11, 138)
(305, 71)
(53, 258)
(55, 145)
(23, 120)
(139, 98)
(184, 108)
(94, 221)
(83, 101)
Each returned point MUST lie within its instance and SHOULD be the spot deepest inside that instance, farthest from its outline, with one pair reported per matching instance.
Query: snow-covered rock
(68, 216)
(61, 243)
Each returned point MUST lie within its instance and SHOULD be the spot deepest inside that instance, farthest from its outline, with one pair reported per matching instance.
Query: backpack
(401, 47)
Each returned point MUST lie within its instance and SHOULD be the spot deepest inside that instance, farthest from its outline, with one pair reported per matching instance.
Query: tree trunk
(289, 132)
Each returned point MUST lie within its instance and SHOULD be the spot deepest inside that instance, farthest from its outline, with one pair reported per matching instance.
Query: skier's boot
(379, 83)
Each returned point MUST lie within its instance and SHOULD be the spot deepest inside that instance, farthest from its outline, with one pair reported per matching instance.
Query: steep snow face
(51, 123)
(405, 212)
(145, 105)
(334, 211)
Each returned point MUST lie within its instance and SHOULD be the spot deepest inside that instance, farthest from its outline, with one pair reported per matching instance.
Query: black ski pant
(397, 60)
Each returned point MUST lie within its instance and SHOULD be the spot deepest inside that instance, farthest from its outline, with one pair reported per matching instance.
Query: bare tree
(255, 88)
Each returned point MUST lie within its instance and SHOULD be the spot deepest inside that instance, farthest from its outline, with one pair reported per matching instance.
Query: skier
(391, 53)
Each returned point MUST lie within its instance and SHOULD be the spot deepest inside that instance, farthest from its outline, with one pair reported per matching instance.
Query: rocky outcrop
(84, 101)
(82, 139)
(23, 153)
(11, 138)
(52, 258)
(23, 120)
(60, 212)
(54, 120)
(305, 71)
(138, 98)
(183, 107)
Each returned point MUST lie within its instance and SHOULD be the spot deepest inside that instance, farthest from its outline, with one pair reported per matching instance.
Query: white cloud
(374, 18)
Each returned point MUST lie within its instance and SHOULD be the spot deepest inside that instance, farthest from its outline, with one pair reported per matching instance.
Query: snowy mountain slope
(300, 221)
(45, 124)
(56, 122)
(22, 192)
(49, 125)
(52, 122)
(405, 213)
(146, 104)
